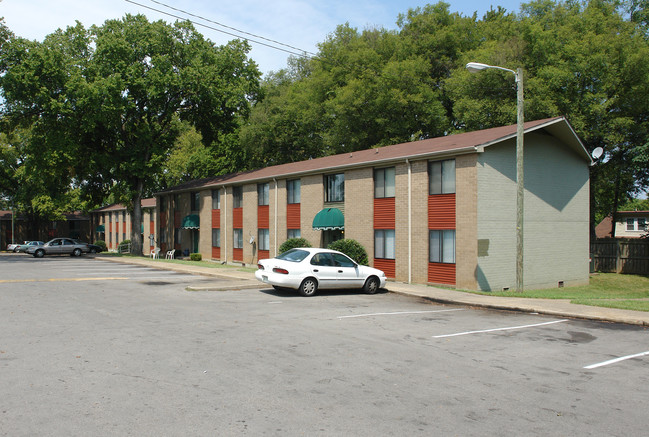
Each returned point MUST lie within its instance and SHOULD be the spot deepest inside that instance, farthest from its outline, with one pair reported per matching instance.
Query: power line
(300, 53)
(230, 27)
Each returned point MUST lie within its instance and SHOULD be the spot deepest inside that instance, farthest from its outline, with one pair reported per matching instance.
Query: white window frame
(335, 187)
(293, 191)
(263, 194)
(237, 241)
(441, 246)
(216, 237)
(384, 244)
(263, 239)
(441, 177)
(384, 182)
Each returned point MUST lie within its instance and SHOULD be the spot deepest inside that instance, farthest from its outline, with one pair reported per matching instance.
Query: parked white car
(309, 269)
(13, 247)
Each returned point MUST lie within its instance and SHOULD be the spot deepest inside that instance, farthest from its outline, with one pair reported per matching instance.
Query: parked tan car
(58, 246)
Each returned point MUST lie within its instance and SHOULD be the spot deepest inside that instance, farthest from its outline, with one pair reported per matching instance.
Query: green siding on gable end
(556, 216)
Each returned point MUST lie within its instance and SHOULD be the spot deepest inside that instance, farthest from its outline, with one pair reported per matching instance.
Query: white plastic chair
(155, 253)
(170, 254)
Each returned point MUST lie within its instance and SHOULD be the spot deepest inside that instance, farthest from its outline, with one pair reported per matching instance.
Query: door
(195, 238)
(323, 269)
(347, 272)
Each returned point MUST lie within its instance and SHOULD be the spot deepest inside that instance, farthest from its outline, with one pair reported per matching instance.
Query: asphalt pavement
(555, 307)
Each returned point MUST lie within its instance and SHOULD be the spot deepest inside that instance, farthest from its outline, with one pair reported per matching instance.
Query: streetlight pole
(12, 225)
(474, 67)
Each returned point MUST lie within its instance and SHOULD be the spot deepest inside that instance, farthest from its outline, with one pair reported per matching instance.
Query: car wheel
(15, 249)
(40, 253)
(308, 287)
(76, 252)
(93, 250)
(371, 285)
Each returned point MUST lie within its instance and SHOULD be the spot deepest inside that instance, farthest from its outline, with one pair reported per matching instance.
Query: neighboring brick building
(75, 225)
(440, 211)
(112, 224)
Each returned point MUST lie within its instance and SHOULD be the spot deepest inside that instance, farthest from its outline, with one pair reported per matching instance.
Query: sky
(301, 24)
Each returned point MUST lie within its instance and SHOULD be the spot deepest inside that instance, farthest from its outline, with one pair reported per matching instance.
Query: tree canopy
(107, 102)
(133, 106)
(585, 60)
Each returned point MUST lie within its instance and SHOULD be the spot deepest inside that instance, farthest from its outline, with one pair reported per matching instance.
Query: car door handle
(315, 270)
(340, 271)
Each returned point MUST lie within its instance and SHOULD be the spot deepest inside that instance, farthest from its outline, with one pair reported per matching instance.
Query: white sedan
(308, 269)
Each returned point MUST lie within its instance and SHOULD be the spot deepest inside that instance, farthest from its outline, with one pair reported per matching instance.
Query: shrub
(102, 244)
(352, 249)
(123, 244)
(292, 243)
(195, 256)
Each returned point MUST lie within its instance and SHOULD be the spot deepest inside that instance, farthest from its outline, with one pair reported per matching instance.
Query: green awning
(191, 222)
(329, 219)
(100, 228)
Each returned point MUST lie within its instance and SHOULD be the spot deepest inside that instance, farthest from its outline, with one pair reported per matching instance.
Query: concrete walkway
(555, 307)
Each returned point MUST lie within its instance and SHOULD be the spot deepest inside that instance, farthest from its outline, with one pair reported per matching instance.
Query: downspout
(275, 212)
(225, 223)
(409, 221)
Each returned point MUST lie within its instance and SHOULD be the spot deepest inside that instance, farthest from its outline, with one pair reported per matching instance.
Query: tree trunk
(136, 220)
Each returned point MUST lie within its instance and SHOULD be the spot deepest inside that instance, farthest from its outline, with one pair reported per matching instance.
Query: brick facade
(478, 211)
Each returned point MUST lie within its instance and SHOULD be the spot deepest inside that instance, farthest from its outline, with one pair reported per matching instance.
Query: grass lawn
(209, 264)
(629, 292)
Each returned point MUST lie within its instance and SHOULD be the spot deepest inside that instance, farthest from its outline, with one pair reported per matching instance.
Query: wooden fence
(620, 256)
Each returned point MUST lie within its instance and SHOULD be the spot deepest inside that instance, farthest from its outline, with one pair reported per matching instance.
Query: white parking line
(398, 313)
(616, 360)
(499, 329)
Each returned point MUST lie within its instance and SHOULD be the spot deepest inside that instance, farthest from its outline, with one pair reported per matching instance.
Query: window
(293, 191)
(262, 194)
(176, 201)
(216, 199)
(110, 218)
(177, 239)
(216, 238)
(442, 246)
(237, 197)
(293, 233)
(195, 201)
(384, 182)
(163, 203)
(264, 239)
(335, 187)
(238, 239)
(636, 224)
(384, 244)
(441, 177)
(163, 235)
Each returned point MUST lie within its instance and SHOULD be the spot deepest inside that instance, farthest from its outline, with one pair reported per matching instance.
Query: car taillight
(282, 271)
(260, 267)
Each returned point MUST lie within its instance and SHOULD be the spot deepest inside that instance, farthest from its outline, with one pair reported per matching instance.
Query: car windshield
(295, 255)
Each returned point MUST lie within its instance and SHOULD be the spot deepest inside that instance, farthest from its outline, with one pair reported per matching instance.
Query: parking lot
(95, 348)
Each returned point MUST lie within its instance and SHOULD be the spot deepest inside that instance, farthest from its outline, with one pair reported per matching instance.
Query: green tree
(109, 99)
(359, 93)
(583, 60)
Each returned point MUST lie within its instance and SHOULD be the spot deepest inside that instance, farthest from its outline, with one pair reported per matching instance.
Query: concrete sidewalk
(555, 307)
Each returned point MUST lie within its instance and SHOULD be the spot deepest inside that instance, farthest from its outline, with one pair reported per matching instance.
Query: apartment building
(439, 211)
(112, 224)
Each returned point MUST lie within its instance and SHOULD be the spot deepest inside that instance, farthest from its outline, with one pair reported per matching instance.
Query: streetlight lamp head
(474, 67)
